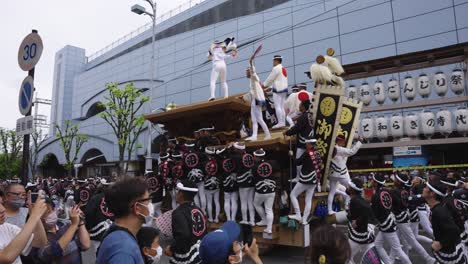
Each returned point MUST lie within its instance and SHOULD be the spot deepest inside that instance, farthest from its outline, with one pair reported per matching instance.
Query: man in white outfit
(217, 55)
(338, 170)
(291, 106)
(279, 79)
(257, 100)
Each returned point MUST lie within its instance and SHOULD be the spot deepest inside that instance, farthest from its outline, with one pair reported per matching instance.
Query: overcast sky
(88, 24)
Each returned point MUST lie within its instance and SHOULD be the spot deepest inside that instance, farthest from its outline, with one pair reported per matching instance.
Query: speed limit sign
(30, 51)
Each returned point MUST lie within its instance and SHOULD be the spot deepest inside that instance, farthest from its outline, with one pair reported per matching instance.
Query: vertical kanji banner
(350, 112)
(326, 112)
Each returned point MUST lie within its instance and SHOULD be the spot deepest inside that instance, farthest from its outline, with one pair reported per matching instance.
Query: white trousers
(157, 209)
(200, 199)
(420, 238)
(408, 239)
(297, 190)
(394, 241)
(333, 186)
(278, 101)
(247, 207)
(230, 205)
(299, 152)
(264, 206)
(210, 195)
(257, 119)
(425, 223)
(358, 248)
(219, 70)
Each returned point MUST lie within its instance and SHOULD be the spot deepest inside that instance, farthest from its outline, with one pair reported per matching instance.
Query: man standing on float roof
(279, 79)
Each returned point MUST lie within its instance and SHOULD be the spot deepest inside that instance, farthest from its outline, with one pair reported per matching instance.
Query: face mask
(51, 219)
(17, 203)
(148, 218)
(158, 255)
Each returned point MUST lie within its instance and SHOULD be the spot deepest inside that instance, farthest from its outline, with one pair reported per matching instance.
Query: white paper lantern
(379, 92)
(440, 83)
(428, 123)
(365, 94)
(381, 127)
(396, 126)
(394, 90)
(461, 118)
(367, 128)
(444, 122)
(409, 88)
(424, 87)
(412, 125)
(457, 81)
(352, 92)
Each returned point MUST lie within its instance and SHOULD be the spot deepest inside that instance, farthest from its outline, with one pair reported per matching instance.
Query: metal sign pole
(25, 162)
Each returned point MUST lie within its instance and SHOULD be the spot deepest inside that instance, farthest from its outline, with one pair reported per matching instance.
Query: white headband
(312, 140)
(209, 151)
(190, 145)
(400, 179)
(181, 187)
(449, 183)
(373, 177)
(259, 154)
(435, 190)
(219, 151)
(352, 185)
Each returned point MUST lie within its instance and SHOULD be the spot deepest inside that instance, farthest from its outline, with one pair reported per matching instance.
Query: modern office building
(378, 41)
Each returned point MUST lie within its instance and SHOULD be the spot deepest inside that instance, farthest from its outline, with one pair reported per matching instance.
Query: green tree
(121, 112)
(71, 142)
(37, 140)
(10, 153)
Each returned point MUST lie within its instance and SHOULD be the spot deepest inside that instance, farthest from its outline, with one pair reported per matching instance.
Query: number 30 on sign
(30, 51)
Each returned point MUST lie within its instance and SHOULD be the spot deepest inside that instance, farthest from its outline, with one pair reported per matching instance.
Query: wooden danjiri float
(331, 114)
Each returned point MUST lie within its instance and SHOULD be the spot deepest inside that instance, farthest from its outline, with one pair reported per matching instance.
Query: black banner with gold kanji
(350, 112)
(326, 112)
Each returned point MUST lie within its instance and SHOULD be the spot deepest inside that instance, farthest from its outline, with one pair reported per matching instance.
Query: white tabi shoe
(261, 223)
(267, 137)
(268, 231)
(251, 138)
(211, 99)
(295, 217)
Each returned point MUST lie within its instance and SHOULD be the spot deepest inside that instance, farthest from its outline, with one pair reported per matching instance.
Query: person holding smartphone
(226, 245)
(15, 241)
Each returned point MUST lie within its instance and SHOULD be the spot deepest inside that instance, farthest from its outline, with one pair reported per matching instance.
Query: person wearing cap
(303, 130)
(164, 171)
(278, 78)
(217, 54)
(211, 182)
(359, 212)
(461, 199)
(224, 245)
(400, 196)
(188, 226)
(228, 183)
(193, 166)
(291, 106)
(257, 101)
(244, 163)
(265, 188)
(82, 193)
(311, 165)
(381, 204)
(338, 169)
(447, 246)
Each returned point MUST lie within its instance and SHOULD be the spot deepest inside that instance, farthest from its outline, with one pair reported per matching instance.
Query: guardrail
(181, 8)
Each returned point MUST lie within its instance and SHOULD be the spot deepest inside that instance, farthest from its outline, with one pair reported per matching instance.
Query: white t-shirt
(8, 232)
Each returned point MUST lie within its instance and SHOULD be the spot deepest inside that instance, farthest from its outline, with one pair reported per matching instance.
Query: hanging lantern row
(411, 86)
(413, 125)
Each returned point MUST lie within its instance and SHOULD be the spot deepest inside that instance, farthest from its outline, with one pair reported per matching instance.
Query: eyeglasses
(20, 194)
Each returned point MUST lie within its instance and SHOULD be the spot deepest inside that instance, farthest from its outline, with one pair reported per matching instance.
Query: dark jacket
(302, 129)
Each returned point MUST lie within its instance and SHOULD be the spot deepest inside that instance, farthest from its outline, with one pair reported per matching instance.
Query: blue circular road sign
(26, 95)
